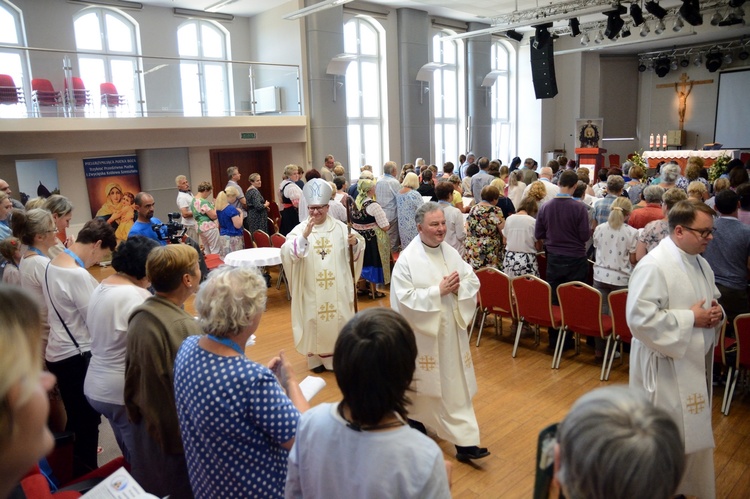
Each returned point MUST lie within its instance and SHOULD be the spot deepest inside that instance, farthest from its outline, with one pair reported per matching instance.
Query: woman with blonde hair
(516, 186)
(290, 193)
(225, 400)
(505, 204)
(694, 169)
(537, 192)
(205, 217)
(24, 435)
(697, 190)
(230, 221)
(62, 211)
(369, 219)
(720, 184)
(408, 202)
(615, 242)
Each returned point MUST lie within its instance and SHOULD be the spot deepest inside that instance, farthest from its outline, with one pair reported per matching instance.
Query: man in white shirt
(546, 177)
(385, 193)
(455, 230)
(184, 200)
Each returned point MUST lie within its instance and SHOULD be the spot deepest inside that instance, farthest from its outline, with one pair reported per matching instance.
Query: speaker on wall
(543, 71)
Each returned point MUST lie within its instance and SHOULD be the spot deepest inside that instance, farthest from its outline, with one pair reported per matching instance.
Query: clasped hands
(450, 283)
(707, 317)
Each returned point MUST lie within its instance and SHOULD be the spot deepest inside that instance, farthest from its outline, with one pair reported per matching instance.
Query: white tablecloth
(669, 154)
(254, 257)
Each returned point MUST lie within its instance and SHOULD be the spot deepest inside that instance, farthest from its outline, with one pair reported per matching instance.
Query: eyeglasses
(704, 233)
(313, 209)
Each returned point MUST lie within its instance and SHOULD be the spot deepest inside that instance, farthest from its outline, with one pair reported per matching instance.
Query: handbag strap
(46, 282)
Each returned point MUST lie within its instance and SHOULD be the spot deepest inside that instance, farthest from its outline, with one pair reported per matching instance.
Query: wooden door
(251, 160)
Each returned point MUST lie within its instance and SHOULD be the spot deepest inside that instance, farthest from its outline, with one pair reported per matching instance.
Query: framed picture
(589, 132)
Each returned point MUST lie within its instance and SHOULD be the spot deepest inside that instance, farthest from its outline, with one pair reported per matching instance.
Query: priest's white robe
(322, 286)
(444, 381)
(670, 359)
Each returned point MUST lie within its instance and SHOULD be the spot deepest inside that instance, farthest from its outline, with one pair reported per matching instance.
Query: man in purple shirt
(562, 226)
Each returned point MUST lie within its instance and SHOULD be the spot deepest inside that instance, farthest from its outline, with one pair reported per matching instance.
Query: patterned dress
(377, 261)
(257, 215)
(484, 243)
(407, 205)
(208, 229)
(653, 233)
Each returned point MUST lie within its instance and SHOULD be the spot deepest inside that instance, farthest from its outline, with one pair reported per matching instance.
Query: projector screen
(733, 109)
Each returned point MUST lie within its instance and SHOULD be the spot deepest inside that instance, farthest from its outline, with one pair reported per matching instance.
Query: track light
(637, 14)
(625, 31)
(514, 35)
(743, 55)
(585, 39)
(716, 18)
(614, 21)
(698, 62)
(678, 24)
(599, 38)
(642, 67)
(691, 12)
(541, 35)
(685, 62)
(660, 27)
(644, 30)
(731, 20)
(655, 9)
(662, 66)
(713, 61)
(575, 26)
(728, 58)
(673, 65)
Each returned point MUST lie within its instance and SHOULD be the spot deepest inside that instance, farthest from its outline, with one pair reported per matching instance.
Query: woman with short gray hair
(670, 174)
(238, 418)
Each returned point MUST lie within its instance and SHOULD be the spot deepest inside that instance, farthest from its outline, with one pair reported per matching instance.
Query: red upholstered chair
(741, 363)
(581, 307)
(110, 98)
(495, 297)
(9, 93)
(274, 214)
(277, 240)
(620, 330)
(78, 96)
(614, 160)
(534, 305)
(44, 95)
(247, 238)
(272, 227)
(261, 239)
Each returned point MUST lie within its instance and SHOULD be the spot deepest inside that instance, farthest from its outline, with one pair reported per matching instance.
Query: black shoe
(466, 454)
(417, 426)
(320, 369)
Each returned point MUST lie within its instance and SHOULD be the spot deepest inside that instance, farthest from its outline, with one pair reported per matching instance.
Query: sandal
(378, 294)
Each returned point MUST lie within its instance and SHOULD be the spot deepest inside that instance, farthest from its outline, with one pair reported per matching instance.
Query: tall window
(111, 44)
(365, 94)
(447, 103)
(502, 129)
(12, 61)
(205, 78)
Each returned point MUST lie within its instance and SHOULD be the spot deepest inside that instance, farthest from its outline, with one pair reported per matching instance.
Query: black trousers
(562, 269)
(83, 420)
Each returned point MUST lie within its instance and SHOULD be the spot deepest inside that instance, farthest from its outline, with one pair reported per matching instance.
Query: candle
(664, 141)
(651, 141)
(658, 141)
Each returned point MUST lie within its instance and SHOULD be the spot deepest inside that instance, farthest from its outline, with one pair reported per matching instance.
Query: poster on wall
(37, 178)
(112, 183)
(589, 132)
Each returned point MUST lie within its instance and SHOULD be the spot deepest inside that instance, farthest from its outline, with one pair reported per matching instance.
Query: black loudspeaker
(543, 71)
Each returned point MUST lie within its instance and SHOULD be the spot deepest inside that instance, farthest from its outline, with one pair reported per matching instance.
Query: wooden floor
(516, 399)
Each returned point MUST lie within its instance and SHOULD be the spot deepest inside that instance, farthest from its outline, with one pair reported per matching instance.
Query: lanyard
(226, 342)
(36, 250)
(75, 257)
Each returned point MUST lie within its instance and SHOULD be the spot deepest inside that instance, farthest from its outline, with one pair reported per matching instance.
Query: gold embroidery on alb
(325, 279)
(327, 311)
(323, 247)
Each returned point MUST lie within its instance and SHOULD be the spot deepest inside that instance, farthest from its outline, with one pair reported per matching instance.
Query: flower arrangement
(719, 167)
(637, 159)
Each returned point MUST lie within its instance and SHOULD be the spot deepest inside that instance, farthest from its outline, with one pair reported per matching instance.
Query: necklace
(226, 342)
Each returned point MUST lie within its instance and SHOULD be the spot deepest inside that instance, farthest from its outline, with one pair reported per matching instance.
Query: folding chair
(261, 239)
(620, 330)
(277, 240)
(495, 298)
(741, 362)
(581, 307)
(534, 306)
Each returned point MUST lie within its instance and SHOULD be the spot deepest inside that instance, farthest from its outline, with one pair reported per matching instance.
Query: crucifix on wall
(683, 89)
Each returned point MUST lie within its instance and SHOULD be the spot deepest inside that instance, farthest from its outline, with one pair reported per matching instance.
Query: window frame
(440, 123)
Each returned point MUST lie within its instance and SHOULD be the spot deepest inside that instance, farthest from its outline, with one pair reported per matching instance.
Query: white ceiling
(483, 11)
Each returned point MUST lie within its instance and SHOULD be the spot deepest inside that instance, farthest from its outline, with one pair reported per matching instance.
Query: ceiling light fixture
(218, 5)
(599, 38)
(691, 12)
(202, 14)
(614, 21)
(585, 39)
(685, 62)
(645, 30)
(637, 14)
(655, 9)
(728, 59)
(662, 66)
(678, 24)
(642, 67)
(123, 4)
(698, 62)
(660, 27)
(312, 9)
(716, 18)
(732, 19)
(514, 35)
(673, 65)
(625, 31)
(575, 26)
(713, 61)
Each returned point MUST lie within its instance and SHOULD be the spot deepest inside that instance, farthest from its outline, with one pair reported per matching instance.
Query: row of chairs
(261, 239)
(44, 94)
(528, 300)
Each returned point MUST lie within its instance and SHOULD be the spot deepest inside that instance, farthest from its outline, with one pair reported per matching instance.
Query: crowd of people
(185, 402)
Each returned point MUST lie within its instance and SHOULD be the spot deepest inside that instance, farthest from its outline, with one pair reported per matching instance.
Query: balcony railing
(91, 84)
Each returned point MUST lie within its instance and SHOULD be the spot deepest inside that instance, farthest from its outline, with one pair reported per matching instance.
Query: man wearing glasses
(673, 313)
(17, 205)
(316, 260)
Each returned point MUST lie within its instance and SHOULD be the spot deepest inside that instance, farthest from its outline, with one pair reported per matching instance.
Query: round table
(254, 257)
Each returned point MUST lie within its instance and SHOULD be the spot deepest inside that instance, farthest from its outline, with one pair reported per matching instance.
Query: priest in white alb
(316, 260)
(674, 317)
(436, 291)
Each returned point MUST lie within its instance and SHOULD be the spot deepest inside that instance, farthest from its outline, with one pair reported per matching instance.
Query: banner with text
(112, 183)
